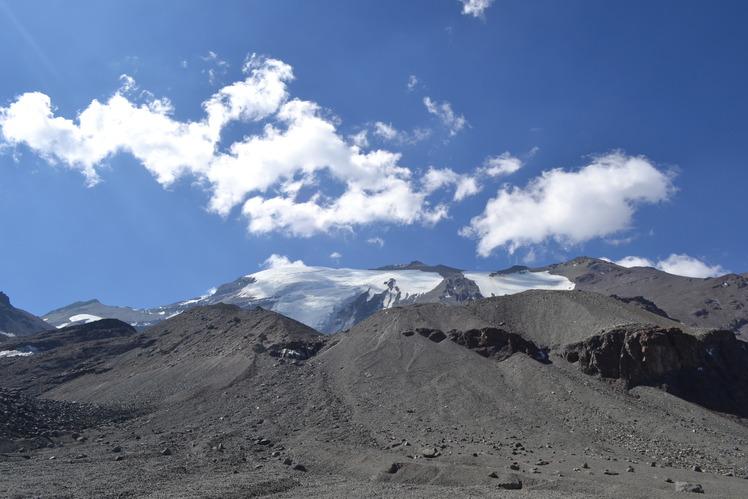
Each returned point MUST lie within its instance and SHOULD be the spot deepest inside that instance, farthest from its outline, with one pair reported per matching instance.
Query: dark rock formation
(490, 342)
(711, 370)
(496, 343)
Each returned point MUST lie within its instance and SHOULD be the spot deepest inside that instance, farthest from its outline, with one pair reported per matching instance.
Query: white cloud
(570, 207)
(264, 173)
(376, 241)
(503, 164)
(465, 185)
(219, 68)
(446, 115)
(335, 255)
(412, 82)
(360, 140)
(635, 261)
(688, 266)
(682, 265)
(128, 83)
(389, 133)
(275, 261)
(385, 131)
(475, 8)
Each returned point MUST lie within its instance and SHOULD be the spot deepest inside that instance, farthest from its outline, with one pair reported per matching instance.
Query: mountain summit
(331, 300)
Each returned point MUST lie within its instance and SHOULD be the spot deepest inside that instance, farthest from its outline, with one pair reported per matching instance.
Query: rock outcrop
(15, 321)
(490, 342)
(711, 370)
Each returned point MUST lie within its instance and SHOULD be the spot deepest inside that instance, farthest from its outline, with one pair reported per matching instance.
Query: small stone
(429, 452)
(166, 452)
(514, 467)
(586, 466)
(117, 449)
(119, 458)
(493, 474)
(696, 468)
(300, 467)
(541, 462)
(287, 461)
(629, 469)
(608, 472)
(689, 487)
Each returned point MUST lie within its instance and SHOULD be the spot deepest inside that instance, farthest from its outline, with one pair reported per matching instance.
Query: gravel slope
(375, 413)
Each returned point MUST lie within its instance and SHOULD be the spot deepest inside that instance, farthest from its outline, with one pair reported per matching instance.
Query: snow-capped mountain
(328, 299)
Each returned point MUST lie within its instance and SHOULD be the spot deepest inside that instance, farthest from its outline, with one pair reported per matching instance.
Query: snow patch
(309, 294)
(85, 318)
(507, 284)
(9, 335)
(21, 352)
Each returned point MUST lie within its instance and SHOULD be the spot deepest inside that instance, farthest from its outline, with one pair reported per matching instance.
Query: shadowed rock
(711, 370)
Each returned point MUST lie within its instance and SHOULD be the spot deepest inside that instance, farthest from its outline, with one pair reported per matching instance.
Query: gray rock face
(18, 322)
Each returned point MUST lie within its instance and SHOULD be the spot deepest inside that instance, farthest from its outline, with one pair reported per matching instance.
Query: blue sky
(151, 151)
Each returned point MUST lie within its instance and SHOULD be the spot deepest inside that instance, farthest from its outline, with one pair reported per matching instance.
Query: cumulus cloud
(276, 261)
(470, 184)
(274, 175)
(570, 207)
(465, 185)
(335, 255)
(446, 115)
(683, 265)
(475, 8)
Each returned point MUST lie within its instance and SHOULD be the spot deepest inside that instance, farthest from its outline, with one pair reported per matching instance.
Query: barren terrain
(419, 401)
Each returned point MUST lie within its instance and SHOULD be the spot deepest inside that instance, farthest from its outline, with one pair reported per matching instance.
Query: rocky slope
(719, 302)
(417, 401)
(14, 321)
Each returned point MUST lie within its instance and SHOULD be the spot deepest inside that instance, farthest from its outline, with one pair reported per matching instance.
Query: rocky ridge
(14, 321)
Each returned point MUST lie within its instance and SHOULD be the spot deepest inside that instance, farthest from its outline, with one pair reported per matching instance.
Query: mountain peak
(443, 270)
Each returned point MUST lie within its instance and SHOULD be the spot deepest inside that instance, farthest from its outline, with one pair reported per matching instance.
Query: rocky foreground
(542, 394)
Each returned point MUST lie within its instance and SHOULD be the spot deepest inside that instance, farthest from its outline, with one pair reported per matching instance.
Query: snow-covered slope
(331, 300)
